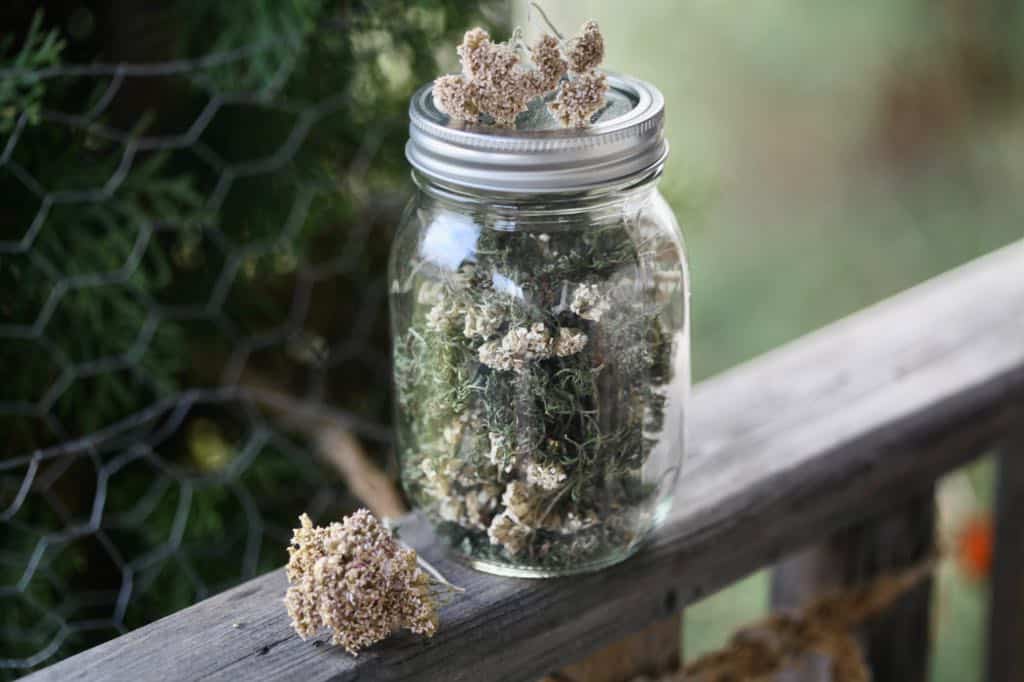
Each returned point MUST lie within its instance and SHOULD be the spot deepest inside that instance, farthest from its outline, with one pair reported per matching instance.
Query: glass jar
(539, 301)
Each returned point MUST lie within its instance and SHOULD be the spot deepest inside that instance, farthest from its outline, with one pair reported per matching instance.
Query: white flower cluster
(506, 532)
(526, 512)
(545, 476)
(569, 342)
(589, 303)
(482, 321)
(514, 525)
(474, 508)
(518, 347)
(522, 345)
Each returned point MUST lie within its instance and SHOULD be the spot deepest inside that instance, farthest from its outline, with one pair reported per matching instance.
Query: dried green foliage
(530, 382)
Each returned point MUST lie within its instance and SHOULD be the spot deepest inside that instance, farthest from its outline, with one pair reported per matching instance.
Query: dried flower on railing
(496, 85)
(357, 581)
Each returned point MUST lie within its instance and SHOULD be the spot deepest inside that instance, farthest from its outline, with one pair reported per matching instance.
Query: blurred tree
(968, 69)
(193, 225)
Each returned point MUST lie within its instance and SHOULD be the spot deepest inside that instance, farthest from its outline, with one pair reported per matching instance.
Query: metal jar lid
(625, 143)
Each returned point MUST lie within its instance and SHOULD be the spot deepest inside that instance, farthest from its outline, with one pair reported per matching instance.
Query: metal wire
(66, 612)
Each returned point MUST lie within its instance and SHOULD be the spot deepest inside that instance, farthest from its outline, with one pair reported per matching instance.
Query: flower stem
(547, 21)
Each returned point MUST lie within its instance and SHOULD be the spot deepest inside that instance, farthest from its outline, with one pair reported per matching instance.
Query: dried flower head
(495, 83)
(579, 99)
(517, 348)
(550, 67)
(509, 533)
(589, 303)
(569, 342)
(545, 476)
(521, 505)
(586, 50)
(356, 581)
(457, 97)
(479, 55)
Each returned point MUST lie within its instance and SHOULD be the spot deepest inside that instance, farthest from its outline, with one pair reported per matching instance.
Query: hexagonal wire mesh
(193, 254)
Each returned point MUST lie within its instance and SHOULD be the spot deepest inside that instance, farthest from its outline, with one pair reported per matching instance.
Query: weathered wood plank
(1006, 622)
(896, 644)
(846, 423)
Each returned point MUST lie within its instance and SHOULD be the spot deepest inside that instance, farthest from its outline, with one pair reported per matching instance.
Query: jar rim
(611, 152)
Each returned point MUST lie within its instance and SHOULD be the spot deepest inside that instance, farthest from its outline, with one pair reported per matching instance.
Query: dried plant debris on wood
(495, 85)
(533, 384)
(356, 581)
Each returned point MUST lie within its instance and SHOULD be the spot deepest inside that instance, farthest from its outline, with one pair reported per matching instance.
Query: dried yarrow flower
(550, 66)
(494, 81)
(457, 97)
(569, 342)
(519, 347)
(586, 51)
(356, 581)
(479, 55)
(509, 533)
(579, 99)
(589, 303)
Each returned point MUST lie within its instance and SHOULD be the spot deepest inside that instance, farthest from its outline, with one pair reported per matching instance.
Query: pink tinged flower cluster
(586, 50)
(354, 580)
(579, 99)
(494, 82)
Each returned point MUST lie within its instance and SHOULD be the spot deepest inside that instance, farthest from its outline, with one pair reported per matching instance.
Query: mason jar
(540, 318)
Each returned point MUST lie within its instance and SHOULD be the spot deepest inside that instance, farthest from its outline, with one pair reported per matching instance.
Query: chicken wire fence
(192, 291)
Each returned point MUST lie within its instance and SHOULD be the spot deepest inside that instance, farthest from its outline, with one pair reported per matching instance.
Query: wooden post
(654, 651)
(896, 644)
(1006, 622)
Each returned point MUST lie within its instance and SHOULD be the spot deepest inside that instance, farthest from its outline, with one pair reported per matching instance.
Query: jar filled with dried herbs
(539, 299)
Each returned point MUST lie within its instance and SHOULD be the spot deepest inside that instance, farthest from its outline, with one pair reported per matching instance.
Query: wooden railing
(830, 445)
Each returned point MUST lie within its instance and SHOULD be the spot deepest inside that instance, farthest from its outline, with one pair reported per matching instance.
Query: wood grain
(849, 422)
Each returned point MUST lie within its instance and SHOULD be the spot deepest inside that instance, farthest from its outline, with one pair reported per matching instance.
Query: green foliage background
(217, 223)
(826, 155)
